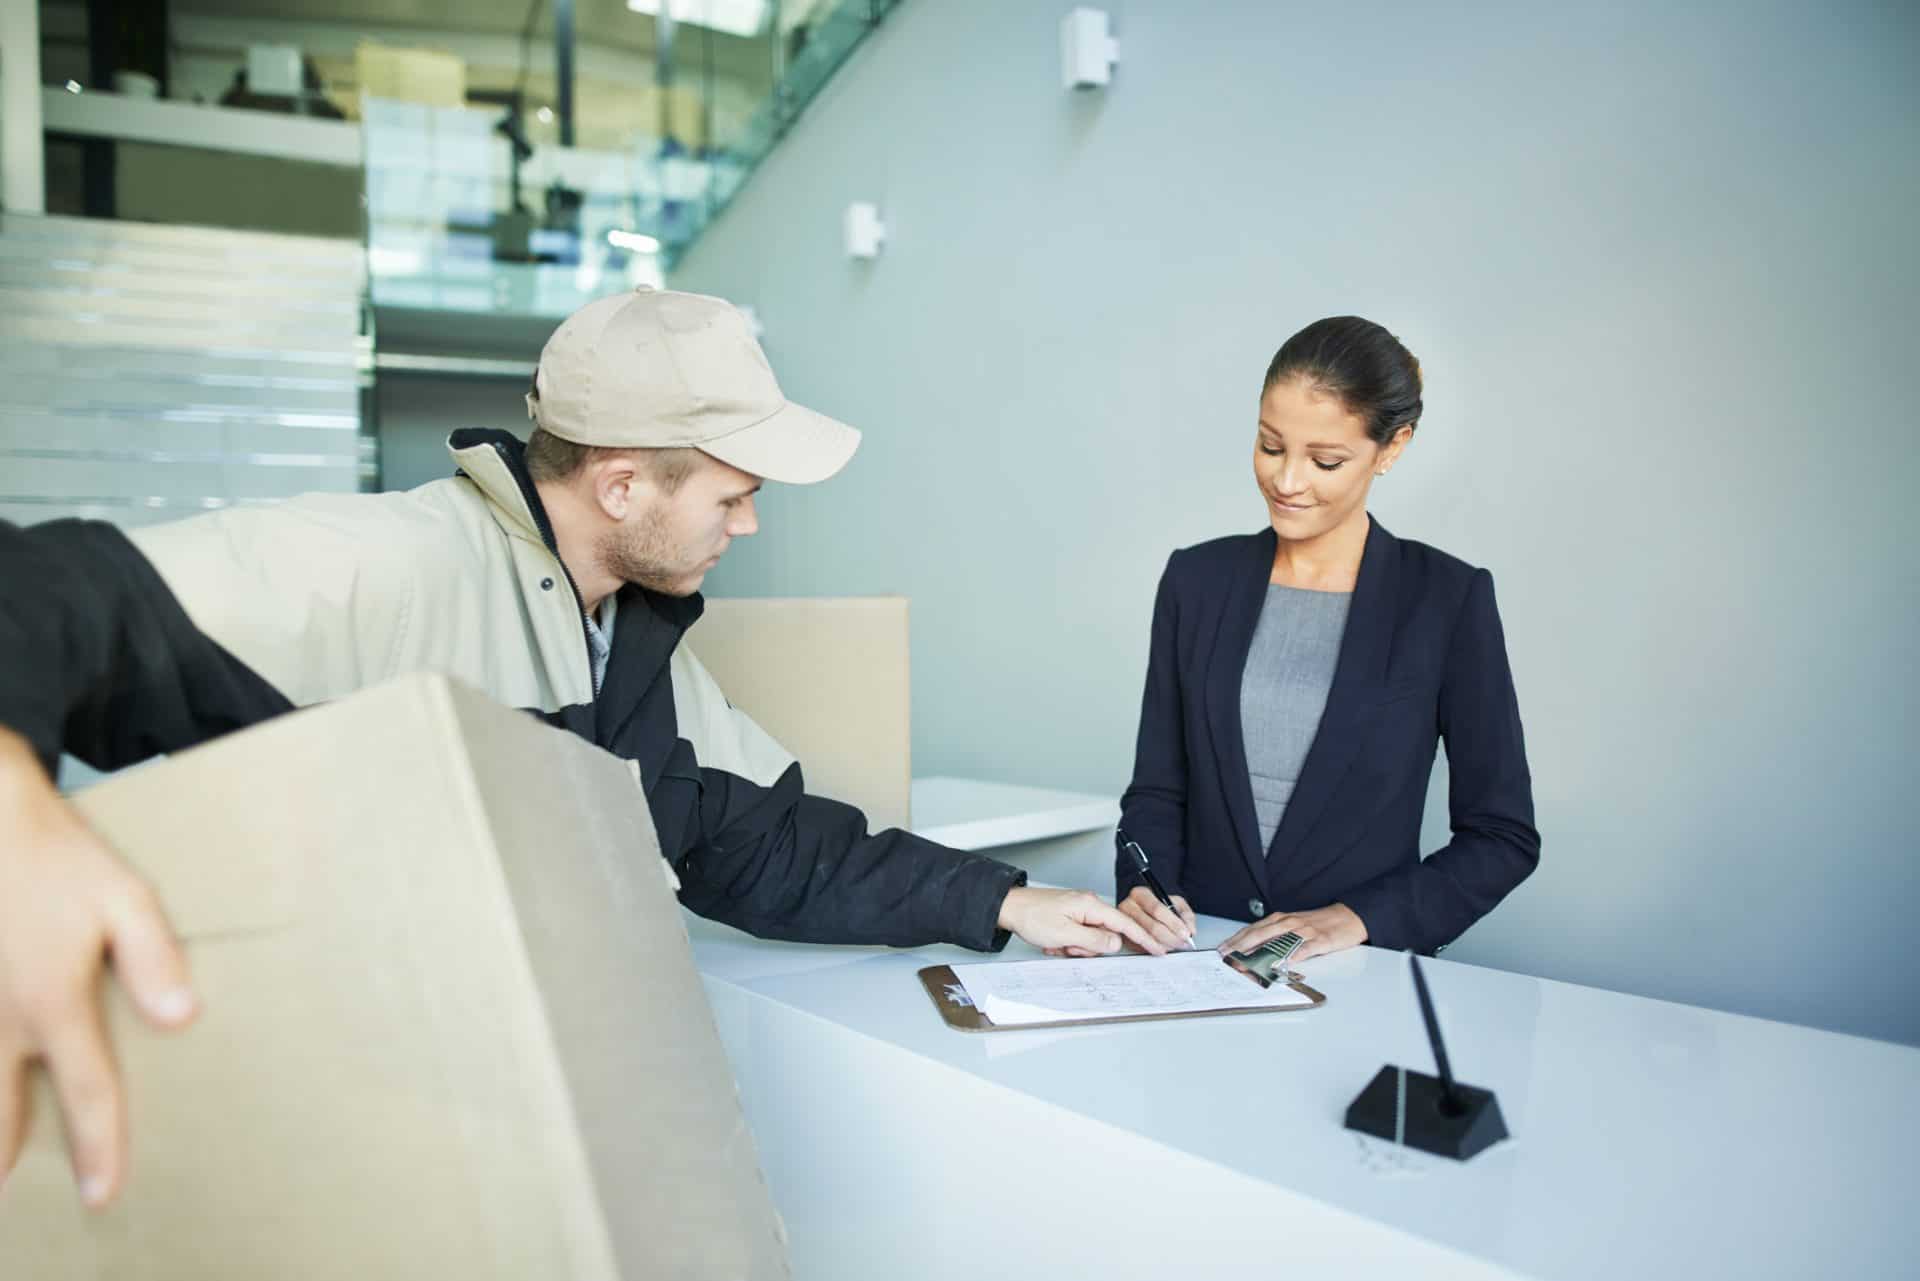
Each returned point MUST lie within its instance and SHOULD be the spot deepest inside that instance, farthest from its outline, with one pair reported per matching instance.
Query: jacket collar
(496, 462)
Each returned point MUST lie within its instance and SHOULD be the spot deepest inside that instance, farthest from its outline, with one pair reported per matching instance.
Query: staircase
(148, 372)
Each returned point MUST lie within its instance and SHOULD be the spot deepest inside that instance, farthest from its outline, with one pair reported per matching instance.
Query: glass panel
(460, 217)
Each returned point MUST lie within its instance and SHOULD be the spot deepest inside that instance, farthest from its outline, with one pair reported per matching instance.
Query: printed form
(1013, 993)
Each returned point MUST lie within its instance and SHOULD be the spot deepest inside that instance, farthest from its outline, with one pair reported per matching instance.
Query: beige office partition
(828, 678)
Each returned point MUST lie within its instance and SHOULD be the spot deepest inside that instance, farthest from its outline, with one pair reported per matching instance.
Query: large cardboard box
(828, 678)
(452, 1025)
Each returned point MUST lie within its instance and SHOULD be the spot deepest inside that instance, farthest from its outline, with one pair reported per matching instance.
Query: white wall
(1660, 266)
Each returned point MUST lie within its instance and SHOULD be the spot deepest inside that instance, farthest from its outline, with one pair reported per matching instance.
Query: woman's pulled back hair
(1361, 364)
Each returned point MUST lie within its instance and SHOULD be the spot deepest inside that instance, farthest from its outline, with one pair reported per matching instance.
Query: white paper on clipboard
(1015, 993)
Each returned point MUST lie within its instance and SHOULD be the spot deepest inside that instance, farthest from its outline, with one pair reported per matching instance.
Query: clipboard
(941, 984)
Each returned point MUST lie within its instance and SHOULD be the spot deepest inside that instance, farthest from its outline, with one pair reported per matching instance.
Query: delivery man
(558, 576)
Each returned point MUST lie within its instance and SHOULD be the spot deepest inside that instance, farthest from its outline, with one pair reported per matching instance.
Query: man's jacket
(114, 647)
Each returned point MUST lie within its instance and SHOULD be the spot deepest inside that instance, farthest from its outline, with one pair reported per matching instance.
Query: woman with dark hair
(1300, 680)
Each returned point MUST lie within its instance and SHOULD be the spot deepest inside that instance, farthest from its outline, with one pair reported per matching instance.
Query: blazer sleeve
(1153, 810)
(1495, 845)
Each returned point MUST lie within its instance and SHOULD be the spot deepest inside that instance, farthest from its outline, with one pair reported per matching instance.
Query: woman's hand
(1172, 930)
(1330, 929)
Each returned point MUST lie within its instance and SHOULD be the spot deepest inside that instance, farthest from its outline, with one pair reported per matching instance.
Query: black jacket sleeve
(779, 863)
(1153, 809)
(99, 660)
(1495, 846)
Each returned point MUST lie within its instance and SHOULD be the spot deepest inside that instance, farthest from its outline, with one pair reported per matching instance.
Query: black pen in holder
(1434, 1114)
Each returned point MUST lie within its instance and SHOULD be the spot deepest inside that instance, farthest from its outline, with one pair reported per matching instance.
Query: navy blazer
(1422, 660)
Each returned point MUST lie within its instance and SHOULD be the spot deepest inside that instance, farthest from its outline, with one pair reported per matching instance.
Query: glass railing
(454, 223)
(464, 214)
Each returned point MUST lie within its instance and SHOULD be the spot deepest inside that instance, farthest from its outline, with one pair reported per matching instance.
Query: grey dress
(1283, 691)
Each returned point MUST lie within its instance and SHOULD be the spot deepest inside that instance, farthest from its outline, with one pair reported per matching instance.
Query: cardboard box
(422, 76)
(828, 678)
(452, 1025)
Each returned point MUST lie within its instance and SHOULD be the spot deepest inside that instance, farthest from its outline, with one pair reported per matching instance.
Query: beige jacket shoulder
(330, 593)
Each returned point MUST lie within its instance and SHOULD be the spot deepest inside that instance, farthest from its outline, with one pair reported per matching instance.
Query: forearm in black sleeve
(779, 863)
(99, 660)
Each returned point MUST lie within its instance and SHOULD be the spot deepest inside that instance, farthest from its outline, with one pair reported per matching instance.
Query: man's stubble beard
(644, 553)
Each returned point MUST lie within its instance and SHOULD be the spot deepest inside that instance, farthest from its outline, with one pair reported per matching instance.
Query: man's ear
(615, 481)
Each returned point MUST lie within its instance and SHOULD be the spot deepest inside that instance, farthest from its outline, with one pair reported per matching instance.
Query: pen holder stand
(1421, 1119)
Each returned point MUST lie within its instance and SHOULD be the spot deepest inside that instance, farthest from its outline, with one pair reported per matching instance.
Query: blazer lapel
(1358, 675)
(1239, 615)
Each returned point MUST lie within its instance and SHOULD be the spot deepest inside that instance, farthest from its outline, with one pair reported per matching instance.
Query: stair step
(149, 372)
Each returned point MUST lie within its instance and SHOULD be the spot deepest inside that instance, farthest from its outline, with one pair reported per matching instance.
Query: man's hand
(69, 907)
(1071, 923)
(1328, 929)
(1174, 929)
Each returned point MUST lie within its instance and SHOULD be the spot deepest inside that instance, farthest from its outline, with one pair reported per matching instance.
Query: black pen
(1455, 1105)
(1139, 857)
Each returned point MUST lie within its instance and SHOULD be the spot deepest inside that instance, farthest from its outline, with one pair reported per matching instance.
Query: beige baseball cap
(656, 369)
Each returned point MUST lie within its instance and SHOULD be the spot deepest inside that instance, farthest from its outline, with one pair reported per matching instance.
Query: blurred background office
(1658, 263)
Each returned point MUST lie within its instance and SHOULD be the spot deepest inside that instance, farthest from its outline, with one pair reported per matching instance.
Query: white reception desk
(1650, 1139)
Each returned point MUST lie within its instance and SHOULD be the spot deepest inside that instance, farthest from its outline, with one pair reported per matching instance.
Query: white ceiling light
(633, 241)
(735, 17)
